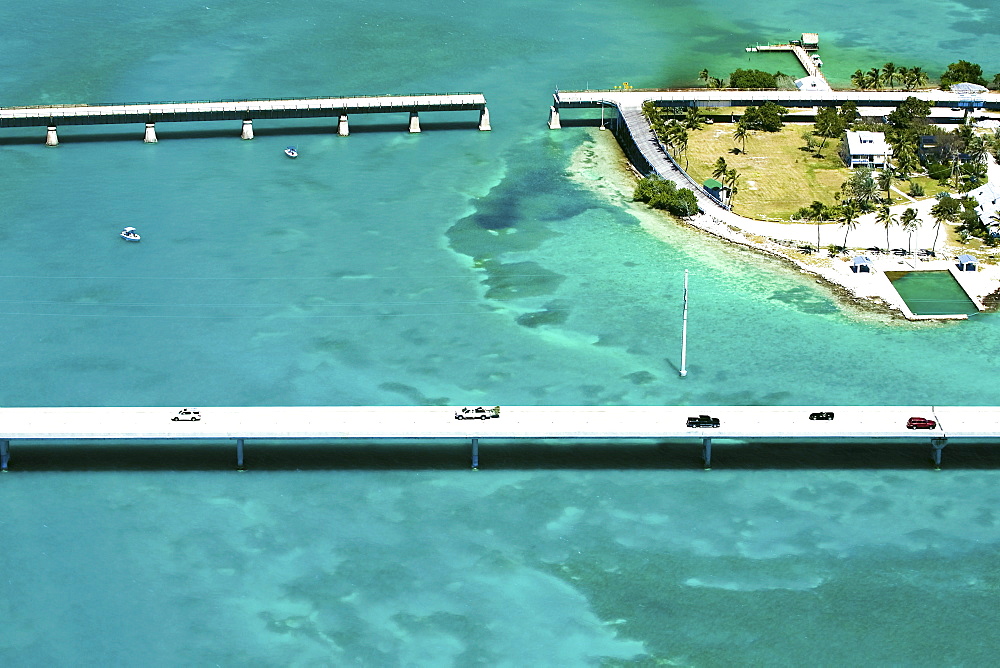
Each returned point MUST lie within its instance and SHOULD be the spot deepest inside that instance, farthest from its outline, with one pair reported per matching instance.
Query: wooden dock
(809, 64)
(239, 425)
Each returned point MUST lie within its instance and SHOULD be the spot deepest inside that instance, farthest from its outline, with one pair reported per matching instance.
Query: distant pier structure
(242, 111)
(804, 50)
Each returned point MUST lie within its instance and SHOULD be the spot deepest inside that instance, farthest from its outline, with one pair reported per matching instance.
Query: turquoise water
(453, 267)
(932, 293)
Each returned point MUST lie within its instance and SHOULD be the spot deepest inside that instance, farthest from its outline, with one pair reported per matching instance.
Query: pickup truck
(478, 413)
(703, 421)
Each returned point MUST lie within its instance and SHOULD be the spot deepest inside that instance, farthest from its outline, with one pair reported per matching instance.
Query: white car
(191, 414)
(478, 413)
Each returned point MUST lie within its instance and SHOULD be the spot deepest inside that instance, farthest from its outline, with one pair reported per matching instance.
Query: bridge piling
(51, 137)
(4, 454)
(938, 445)
(239, 454)
(706, 452)
(484, 119)
(554, 118)
(414, 122)
(342, 128)
(475, 454)
(150, 136)
(247, 129)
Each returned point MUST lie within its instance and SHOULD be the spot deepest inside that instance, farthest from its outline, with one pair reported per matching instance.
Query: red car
(920, 423)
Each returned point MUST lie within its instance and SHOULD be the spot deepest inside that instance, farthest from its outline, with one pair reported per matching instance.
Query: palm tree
(885, 181)
(719, 169)
(889, 70)
(977, 149)
(732, 178)
(910, 224)
(916, 77)
(681, 142)
(693, 118)
(860, 80)
(850, 221)
(650, 111)
(946, 210)
(875, 75)
(819, 212)
(888, 220)
(703, 76)
(906, 160)
(861, 188)
(740, 134)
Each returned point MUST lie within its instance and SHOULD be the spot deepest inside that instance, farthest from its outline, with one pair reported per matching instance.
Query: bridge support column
(414, 122)
(342, 128)
(484, 119)
(51, 137)
(4, 454)
(554, 119)
(247, 129)
(938, 445)
(475, 454)
(706, 452)
(239, 454)
(150, 137)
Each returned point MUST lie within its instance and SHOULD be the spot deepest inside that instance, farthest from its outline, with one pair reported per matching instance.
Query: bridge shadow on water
(397, 456)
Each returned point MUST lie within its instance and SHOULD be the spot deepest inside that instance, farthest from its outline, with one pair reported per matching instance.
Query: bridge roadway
(431, 423)
(241, 110)
(713, 97)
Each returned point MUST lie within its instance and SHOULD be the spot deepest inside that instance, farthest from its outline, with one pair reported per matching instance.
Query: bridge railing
(237, 100)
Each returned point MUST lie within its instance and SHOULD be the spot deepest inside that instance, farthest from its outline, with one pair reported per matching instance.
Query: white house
(865, 149)
(987, 198)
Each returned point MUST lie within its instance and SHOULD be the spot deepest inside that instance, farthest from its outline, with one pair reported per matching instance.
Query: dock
(809, 64)
(242, 111)
(240, 426)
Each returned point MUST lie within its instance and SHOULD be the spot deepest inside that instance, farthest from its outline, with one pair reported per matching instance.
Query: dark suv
(703, 421)
(822, 415)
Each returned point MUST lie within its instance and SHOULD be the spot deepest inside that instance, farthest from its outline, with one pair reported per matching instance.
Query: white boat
(291, 152)
(129, 234)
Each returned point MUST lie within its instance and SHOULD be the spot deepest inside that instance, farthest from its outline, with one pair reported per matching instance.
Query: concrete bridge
(245, 111)
(237, 425)
(716, 97)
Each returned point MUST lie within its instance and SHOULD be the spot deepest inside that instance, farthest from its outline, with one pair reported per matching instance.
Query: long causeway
(238, 425)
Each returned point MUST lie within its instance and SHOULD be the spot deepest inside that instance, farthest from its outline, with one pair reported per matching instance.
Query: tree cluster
(659, 193)
(909, 78)
(752, 79)
(962, 72)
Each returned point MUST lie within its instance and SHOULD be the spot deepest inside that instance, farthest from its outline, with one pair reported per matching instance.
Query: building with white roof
(865, 149)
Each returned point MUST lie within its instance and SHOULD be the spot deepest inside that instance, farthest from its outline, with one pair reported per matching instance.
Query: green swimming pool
(931, 292)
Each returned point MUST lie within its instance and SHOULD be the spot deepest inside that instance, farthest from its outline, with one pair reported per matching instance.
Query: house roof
(987, 198)
(968, 88)
(712, 183)
(967, 259)
(811, 82)
(864, 142)
(861, 259)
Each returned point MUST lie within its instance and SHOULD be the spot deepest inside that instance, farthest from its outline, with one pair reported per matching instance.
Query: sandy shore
(874, 288)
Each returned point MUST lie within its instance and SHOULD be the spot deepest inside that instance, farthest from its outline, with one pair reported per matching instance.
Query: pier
(241, 426)
(243, 111)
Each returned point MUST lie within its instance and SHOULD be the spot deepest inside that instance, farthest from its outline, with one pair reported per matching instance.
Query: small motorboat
(291, 152)
(129, 234)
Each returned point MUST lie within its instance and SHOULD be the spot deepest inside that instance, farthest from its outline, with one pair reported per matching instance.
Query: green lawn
(777, 175)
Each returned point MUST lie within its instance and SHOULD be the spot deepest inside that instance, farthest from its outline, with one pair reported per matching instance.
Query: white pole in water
(684, 329)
